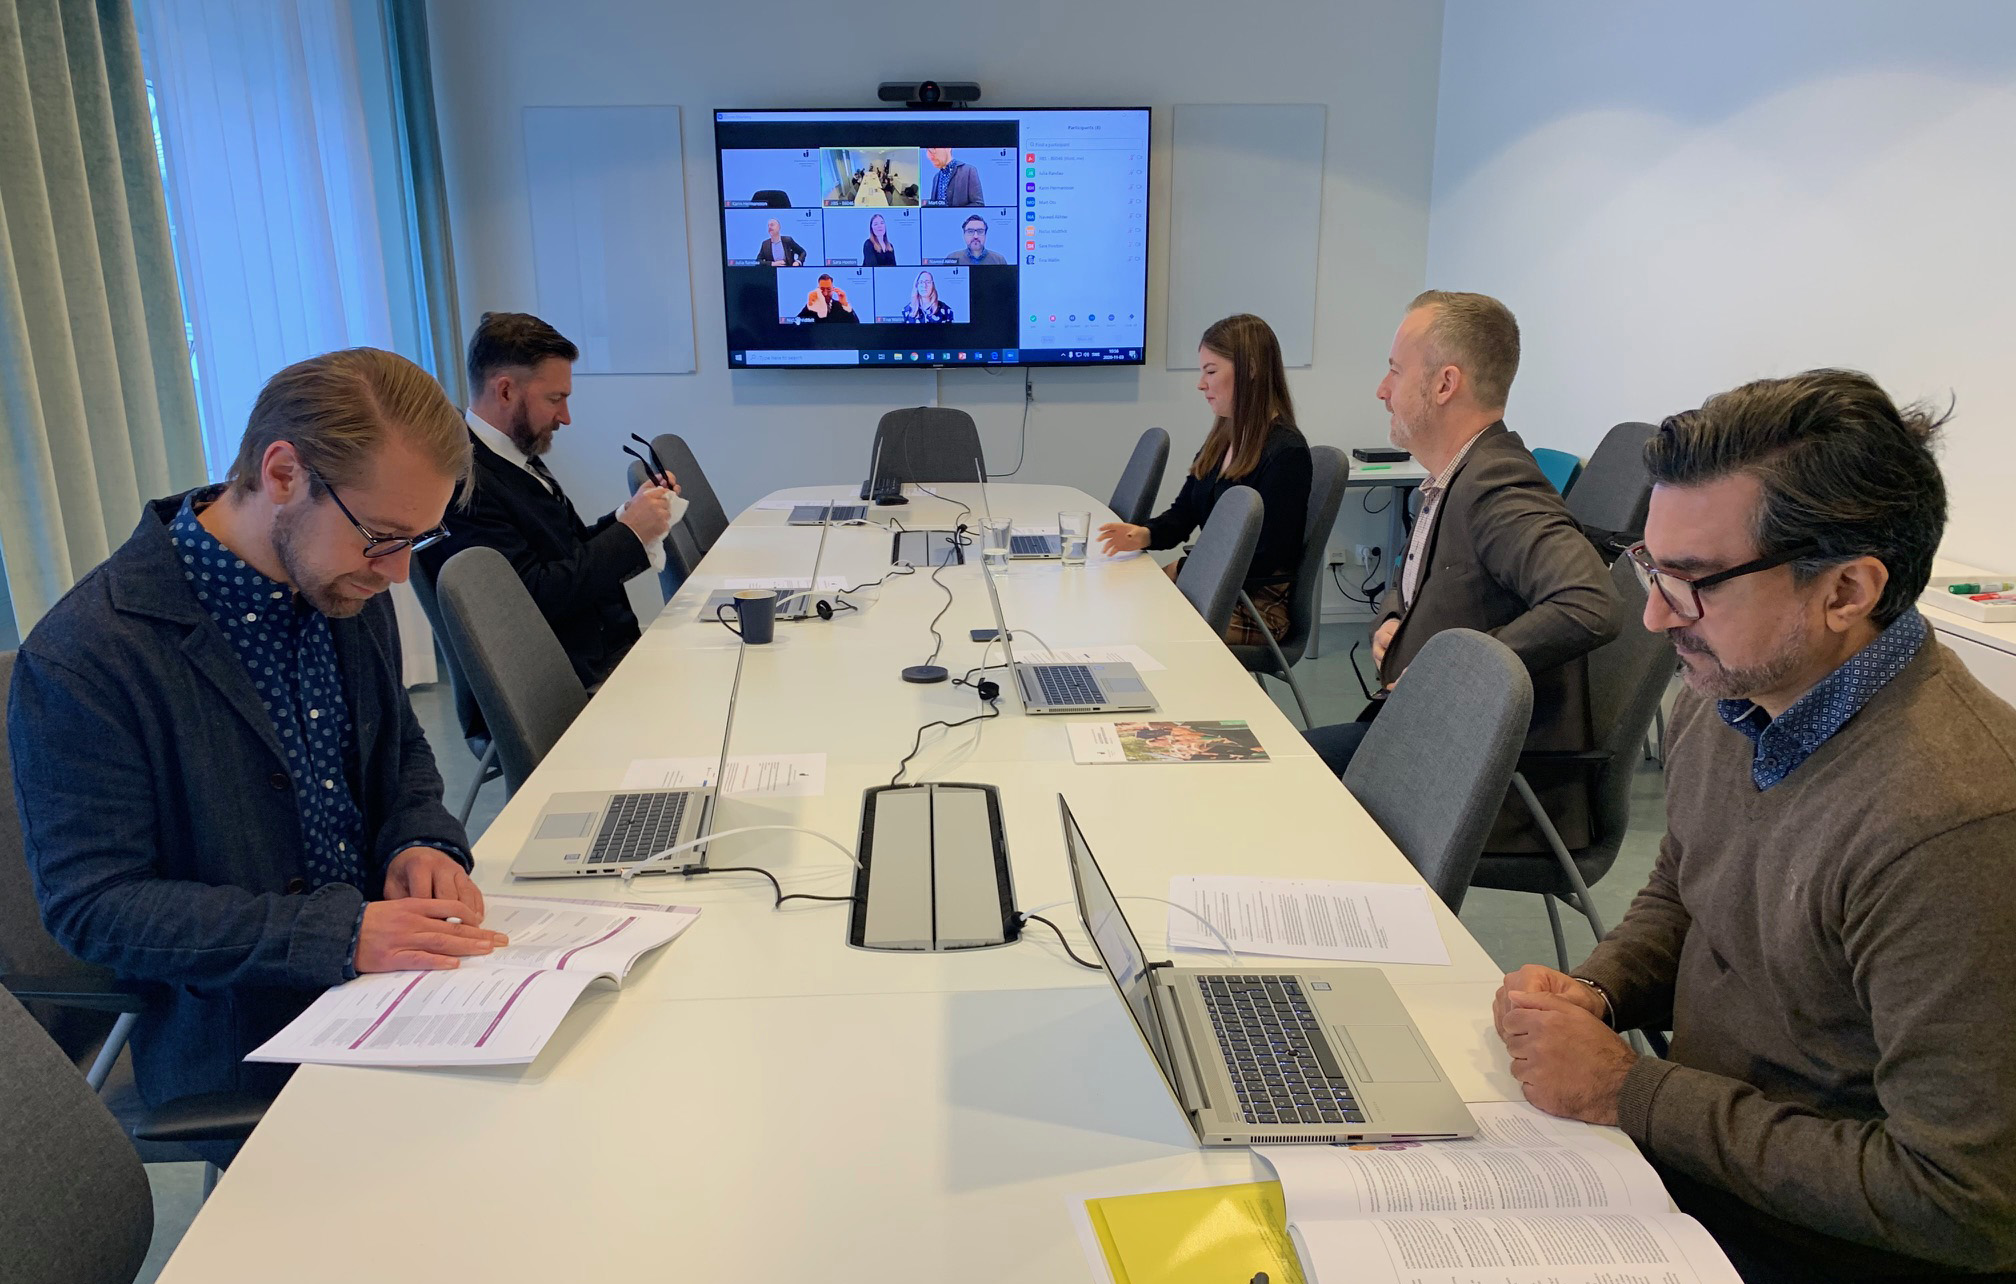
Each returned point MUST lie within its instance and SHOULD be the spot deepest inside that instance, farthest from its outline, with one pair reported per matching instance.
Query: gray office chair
(1434, 766)
(1627, 677)
(1217, 564)
(467, 715)
(1329, 471)
(1611, 495)
(927, 444)
(1141, 481)
(693, 535)
(516, 668)
(74, 1202)
(86, 1012)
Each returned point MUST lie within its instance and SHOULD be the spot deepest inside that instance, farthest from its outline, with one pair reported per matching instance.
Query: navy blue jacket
(161, 828)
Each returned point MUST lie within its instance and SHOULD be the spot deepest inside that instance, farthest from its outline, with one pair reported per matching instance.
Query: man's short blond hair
(1479, 336)
(338, 409)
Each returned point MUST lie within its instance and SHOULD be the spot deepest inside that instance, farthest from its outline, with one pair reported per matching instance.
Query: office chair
(1434, 766)
(1559, 467)
(1627, 677)
(516, 668)
(1218, 562)
(467, 715)
(1613, 491)
(84, 1011)
(693, 535)
(1329, 471)
(771, 198)
(1141, 481)
(927, 444)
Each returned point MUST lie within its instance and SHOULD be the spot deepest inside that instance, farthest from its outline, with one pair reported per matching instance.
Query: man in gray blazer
(956, 183)
(1493, 549)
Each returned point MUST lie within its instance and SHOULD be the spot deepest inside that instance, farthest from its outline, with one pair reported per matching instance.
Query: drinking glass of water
(1072, 530)
(995, 534)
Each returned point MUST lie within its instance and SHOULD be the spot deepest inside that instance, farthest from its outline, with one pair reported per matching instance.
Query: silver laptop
(1046, 687)
(1034, 546)
(1271, 1055)
(601, 834)
(819, 514)
(794, 604)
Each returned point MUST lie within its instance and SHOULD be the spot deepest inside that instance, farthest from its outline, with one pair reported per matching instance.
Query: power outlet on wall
(1363, 554)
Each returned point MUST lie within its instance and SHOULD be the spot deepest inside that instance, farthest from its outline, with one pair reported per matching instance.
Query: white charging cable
(631, 871)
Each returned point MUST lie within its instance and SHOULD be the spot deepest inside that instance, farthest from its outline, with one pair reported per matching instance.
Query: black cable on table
(1038, 918)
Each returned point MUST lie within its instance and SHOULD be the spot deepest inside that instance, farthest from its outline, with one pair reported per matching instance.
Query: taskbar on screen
(938, 357)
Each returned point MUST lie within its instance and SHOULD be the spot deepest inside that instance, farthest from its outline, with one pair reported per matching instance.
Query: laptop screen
(1126, 963)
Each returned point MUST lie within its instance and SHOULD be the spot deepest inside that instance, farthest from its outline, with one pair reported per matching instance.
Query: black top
(1282, 477)
(872, 257)
(575, 571)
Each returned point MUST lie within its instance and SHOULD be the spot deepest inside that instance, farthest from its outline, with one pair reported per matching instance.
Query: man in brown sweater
(1827, 926)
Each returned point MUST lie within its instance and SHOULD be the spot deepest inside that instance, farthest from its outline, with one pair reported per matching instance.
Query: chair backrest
(1216, 567)
(1141, 481)
(927, 444)
(467, 715)
(26, 948)
(1628, 677)
(1434, 767)
(74, 1202)
(515, 666)
(1559, 467)
(705, 519)
(682, 554)
(1329, 470)
(1611, 495)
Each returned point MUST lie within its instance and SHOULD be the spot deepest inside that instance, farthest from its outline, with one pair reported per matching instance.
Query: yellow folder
(1216, 1235)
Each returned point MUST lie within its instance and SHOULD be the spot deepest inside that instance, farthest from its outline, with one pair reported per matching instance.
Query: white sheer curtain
(283, 193)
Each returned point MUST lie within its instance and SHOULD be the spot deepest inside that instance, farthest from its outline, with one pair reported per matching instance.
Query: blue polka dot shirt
(1788, 740)
(290, 654)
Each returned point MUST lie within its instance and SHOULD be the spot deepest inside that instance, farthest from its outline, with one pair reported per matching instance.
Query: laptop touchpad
(1389, 1053)
(566, 824)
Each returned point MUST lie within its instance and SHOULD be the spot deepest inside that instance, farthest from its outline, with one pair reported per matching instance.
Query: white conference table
(761, 1101)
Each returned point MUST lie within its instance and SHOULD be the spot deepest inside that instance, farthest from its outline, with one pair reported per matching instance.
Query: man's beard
(519, 430)
(321, 594)
(1719, 682)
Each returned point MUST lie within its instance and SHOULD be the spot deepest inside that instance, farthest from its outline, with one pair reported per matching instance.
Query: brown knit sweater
(1834, 958)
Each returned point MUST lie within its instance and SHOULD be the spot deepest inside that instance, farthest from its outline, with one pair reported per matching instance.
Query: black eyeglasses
(1683, 596)
(376, 545)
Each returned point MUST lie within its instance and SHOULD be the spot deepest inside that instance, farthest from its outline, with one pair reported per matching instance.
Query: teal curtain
(429, 242)
(97, 401)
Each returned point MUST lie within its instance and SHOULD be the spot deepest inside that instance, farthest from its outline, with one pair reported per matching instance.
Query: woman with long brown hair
(1253, 442)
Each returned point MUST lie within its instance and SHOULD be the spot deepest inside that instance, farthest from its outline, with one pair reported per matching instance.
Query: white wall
(1372, 61)
(1677, 198)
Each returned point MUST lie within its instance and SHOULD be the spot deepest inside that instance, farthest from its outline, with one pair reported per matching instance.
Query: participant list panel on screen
(1015, 237)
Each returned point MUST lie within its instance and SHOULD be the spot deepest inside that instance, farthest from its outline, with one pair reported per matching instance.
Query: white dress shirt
(504, 448)
(1424, 524)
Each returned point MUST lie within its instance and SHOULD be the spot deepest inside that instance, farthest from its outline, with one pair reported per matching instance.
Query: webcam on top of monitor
(928, 93)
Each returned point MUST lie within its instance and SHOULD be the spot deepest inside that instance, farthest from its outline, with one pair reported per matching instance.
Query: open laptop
(1034, 546)
(1271, 1055)
(820, 514)
(1047, 687)
(591, 834)
(792, 604)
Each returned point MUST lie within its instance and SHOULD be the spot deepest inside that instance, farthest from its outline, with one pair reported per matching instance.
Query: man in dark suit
(779, 250)
(956, 183)
(1493, 549)
(520, 376)
(225, 797)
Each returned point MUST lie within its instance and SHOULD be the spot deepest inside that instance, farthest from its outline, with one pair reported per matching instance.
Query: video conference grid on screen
(934, 237)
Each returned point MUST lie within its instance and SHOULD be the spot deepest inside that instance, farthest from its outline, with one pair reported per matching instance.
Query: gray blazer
(160, 825)
(1505, 558)
(964, 189)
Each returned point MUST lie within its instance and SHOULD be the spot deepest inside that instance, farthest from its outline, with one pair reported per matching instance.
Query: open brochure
(1216, 741)
(496, 1009)
(1530, 1200)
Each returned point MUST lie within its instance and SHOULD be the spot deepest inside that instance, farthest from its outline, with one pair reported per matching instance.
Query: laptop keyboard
(1029, 545)
(1068, 684)
(1281, 1062)
(637, 826)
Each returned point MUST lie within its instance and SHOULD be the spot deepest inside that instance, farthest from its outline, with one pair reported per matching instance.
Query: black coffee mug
(757, 610)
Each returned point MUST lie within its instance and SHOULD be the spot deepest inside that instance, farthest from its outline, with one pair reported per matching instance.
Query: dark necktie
(546, 478)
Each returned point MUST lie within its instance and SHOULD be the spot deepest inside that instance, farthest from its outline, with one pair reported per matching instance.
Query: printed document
(776, 775)
(1308, 918)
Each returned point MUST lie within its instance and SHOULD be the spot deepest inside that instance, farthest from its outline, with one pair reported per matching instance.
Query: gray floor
(1511, 925)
